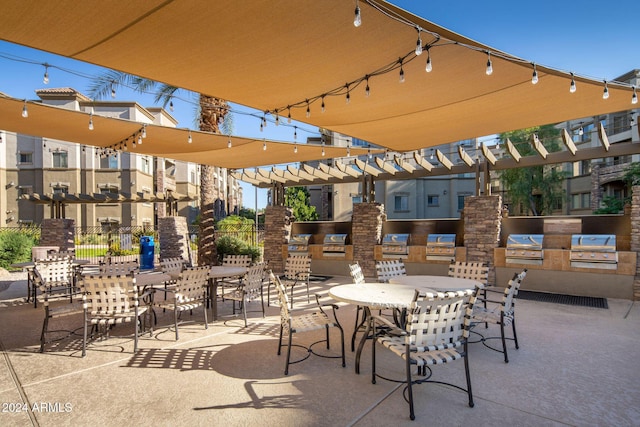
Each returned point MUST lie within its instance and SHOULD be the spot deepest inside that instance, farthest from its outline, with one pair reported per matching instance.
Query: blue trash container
(146, 252)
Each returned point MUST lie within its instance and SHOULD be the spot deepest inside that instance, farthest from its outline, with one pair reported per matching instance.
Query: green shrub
(14, 247)
(229, 245)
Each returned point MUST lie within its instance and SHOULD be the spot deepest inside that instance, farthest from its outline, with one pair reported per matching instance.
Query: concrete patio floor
(576, 366)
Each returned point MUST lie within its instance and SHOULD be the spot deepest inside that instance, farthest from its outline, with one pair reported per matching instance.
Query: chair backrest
(387, 270)
(172, 265)
(283, 300)
(191, 284)
(440, 320)
(297, 267)
(55, 271)
(356, 273)
(109, 295)
(254, 279)
(477, 271)
(237, 260)
(511, 292)
(119, 268)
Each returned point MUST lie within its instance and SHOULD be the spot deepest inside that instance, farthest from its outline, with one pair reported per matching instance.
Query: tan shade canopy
(287, 56)
(206, 148)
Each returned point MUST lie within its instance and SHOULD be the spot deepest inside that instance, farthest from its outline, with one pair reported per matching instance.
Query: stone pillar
(635, 237)
(482, 223)
(277, 230)
(58, 232)
(173, 233)
(596, 191)
(366, 232)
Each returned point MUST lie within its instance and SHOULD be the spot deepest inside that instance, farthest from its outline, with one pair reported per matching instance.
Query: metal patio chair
(297, 270)
(249, 289)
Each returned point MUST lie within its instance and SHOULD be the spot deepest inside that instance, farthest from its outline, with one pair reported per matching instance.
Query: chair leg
(45, 325)
(280, 340)
(175, 320)
(84, 336)
(515, 335)
(373, 357)
(262, 301)
(286, 368)
(466, 371)
(504, 343)
(291, 303)
(135, 333)
(204, 308)
(412, 414)
(244, 310)
(358, 325)
(308, 298)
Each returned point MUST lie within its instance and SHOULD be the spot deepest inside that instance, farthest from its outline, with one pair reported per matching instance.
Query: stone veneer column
(277, 223)
(635, 237)
(482, 223)
(173, 233)
(366, 232)
(58, 232)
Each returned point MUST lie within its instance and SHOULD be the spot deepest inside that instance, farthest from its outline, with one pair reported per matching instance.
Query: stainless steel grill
(299, 244)
(524, 249)
(334, 245)
(441, 247)
(395, 245)
(594, 251)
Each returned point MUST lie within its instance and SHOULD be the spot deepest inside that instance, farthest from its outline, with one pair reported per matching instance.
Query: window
(59, 189)
(585, 167)
(356, 199)
(575, 201)
(146, 166)
(60, 159)
(25, 158)
(192, 177)
(557, 203)
(108, 189)
(461, 202)
(109, 162)
(25, 190)
(401, 202)
(433, 200)
(585, 200)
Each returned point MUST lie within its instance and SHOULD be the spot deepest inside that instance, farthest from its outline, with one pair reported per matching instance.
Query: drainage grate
(564, 299)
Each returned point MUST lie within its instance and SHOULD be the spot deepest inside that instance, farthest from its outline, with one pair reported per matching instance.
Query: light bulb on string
(431, 157)
(580, 130)
(45, 78)
(348, 149)
(91, 121)
(605, 93)
(144, 131)
(401, 74)
(261, 127)
(369, 153)
(308, 113)
(264, 120)
(634, 97)
(277, 119)
(25, 112)
(572, 86)
(295, 148)
(140, 139)
(264, 146)
(489, 69)
(295, 132)
(367, 90)
(322, 109)
(323, 153)
(229, 142)
(357, 19)
(534, 77)
(171, 106)
(113, 90)
(429, 67)
(189, 138)
(288, 114)
(418, 43)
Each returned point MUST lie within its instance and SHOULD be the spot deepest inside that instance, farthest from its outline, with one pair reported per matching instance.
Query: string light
(348, 148)
(229, 142)
(295, 132)
(308, 110)
(323, 143)
(580, 130)
(605, 93)
(572, 86)
(348, 96)
(189, 138)
(431, 156)
(171, 105)
(277, 119)
(144, 131)
(25, 112)
(295, 148)
(140, 138)
(401, 73)
(264, 146)
(91, 120)
(45, 78)
(322, 105)
(367, 90)
(534, 77)
(634, 97)
(429, 67)
(113, 89)
(418, 43)
(288, 114)
(489, 70)
(357, 20)
(369, 152)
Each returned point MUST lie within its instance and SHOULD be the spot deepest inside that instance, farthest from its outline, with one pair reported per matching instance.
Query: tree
(298, 198)
(535, 188)
(211, 114)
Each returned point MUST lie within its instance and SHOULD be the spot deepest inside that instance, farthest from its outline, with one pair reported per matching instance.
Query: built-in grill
(299, 244)
(594, 251)
(524, 249)
(334, 245)
(395, 245)
(441, 247)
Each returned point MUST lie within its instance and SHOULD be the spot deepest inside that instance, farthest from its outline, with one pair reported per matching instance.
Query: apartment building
(35, 165)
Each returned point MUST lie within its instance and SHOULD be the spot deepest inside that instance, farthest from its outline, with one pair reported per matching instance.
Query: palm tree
(211, 116)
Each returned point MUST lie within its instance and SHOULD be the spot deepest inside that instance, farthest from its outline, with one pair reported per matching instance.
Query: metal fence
(120, 243)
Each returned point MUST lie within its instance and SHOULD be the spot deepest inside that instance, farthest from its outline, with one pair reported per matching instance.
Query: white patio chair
(119, 268)
(499, 312)
(189, 292)
(57, 274)
(306, 322)
(110, 300)
(387, 270)
(249, 289)
(297, 269)
(436, 332)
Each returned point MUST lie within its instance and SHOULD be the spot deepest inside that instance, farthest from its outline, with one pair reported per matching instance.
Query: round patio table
(220, 272)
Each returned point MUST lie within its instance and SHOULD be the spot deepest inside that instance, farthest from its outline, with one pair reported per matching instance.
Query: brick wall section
(366, 232)
(174, 237)
(278, 221)
(635, 238)
(58, 232)
(482, 222)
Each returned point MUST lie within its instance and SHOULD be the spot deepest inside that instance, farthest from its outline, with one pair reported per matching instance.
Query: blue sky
(590, 38)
